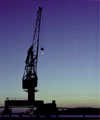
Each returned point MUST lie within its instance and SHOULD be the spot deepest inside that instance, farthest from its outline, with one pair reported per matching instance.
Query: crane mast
(29, 80)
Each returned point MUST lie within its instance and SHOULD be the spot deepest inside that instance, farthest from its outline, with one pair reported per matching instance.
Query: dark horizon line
(58, 107)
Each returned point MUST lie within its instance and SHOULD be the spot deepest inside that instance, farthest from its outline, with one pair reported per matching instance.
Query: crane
(29, 80)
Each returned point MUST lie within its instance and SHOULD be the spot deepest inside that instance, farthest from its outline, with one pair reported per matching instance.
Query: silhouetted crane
(29, 80)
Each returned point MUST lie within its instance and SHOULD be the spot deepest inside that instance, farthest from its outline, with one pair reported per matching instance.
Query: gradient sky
(68, 71)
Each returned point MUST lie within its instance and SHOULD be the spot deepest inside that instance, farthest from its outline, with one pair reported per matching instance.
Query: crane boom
(36, 38)
(30, 73)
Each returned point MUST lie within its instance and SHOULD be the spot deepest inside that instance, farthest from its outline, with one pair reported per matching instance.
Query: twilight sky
(68, 71)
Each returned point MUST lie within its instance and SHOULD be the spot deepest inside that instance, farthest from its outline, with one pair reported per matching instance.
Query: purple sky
(68, 71)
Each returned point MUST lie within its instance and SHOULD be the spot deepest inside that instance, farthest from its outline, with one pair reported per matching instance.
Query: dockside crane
(29, 80)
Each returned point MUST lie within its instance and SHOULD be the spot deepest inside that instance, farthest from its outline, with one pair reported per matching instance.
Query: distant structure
(30, 79)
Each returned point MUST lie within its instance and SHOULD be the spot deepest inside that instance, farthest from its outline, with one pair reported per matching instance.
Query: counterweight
(29, 80)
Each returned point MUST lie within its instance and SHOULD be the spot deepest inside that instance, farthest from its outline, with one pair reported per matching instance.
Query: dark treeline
(79, 111)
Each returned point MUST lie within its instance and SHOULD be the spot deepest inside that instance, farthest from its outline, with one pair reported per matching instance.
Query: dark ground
(49, 119)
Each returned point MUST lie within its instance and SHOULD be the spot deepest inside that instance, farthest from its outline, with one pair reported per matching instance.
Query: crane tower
(29, 80)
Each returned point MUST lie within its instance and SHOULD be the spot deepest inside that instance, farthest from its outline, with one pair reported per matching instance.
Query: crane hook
(42, 49)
